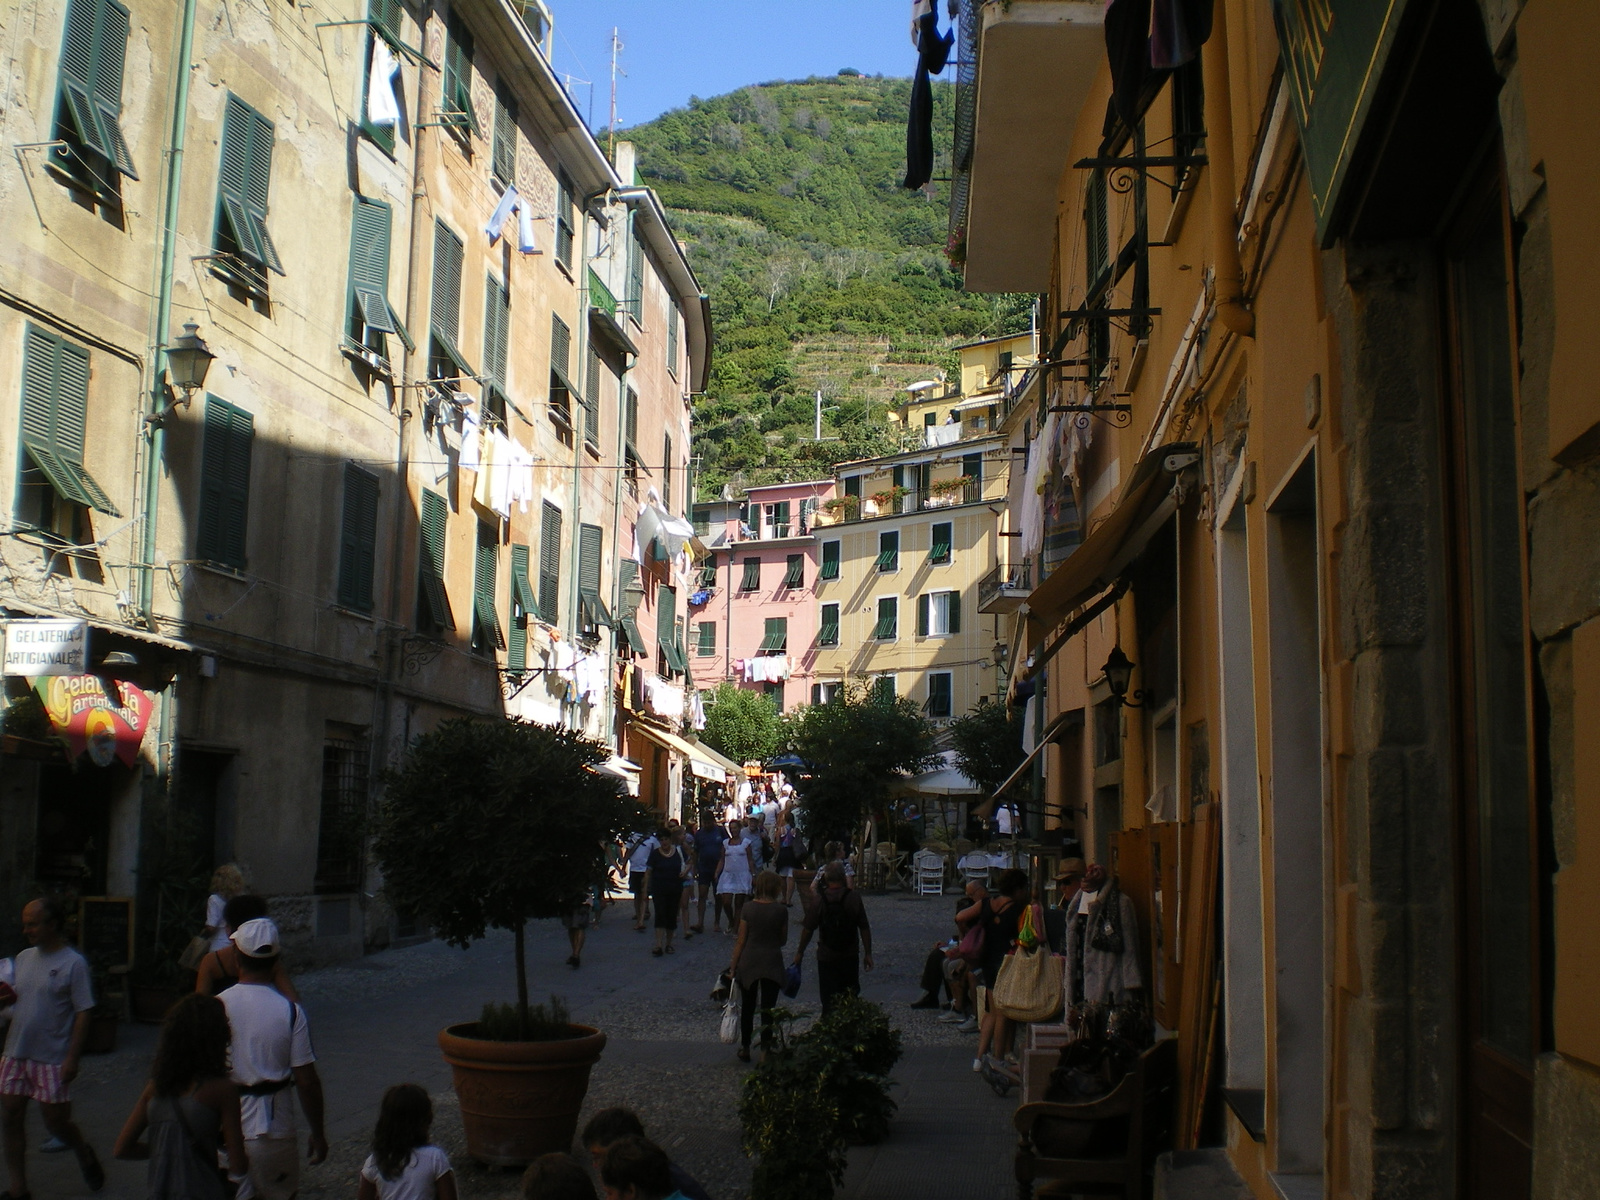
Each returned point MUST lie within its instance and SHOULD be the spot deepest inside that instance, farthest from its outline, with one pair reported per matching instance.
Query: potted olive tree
(494, 824)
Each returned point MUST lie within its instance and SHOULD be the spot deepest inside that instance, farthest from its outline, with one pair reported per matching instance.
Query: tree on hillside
(854, 746)
(988, 742)
(742, 724)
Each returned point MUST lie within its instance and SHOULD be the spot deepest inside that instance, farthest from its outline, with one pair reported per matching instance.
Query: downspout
(169, 247)
(616, 572)
(580, 445)
(1229, 276)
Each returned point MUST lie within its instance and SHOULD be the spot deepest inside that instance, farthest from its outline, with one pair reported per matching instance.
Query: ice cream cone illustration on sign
(106, 726)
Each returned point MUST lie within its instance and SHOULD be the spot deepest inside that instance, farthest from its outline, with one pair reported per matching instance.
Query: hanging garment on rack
(383, 108)
(697, 712)
(525, 242)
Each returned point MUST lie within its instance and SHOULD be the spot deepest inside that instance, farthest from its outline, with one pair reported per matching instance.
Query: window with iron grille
(830, 561)
(752, 575)
(341, 831)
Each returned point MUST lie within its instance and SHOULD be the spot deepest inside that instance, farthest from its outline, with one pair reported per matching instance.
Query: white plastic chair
(975, 868)
(929, 873)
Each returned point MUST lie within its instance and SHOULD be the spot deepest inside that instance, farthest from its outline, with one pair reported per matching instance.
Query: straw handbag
(1028, 987)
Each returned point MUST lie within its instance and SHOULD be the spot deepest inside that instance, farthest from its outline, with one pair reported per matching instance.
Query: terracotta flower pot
(519, 1099)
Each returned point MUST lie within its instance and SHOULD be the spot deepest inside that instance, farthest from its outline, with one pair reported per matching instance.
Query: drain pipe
(163, 319)
(1229, 276)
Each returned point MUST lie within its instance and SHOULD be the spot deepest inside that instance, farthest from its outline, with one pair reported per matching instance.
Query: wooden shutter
(225, 482)
(371, 224)
(591, 398)
(939, 549)
(631, 427)
(560, 346)
(635, 293)
(776, 635)
(496, 332)
(358, 535)
(672, 339)
(954, 611)
(486, 632)
(55, 413)
(505, 136)
(550, 563)
(828, 633)
(385, 16)
(666, 471)
(972, 467)
(1097, 238)
(922, 614)
(384, 19)
(830, 560)
(752, 575)
(94, 48)
(445, 311)
(435, 599)
(591, 543)
(563, 219)
(245, 182)
(522, 603)
(706, 632)
(456, 97)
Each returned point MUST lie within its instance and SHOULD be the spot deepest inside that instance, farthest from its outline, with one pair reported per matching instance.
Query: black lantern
(188, 360)
(1119, 672)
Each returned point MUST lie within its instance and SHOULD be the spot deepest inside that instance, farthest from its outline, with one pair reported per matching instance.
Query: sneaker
(952, 1017)
(977, 1065)
(53, 1145)
(970, 1025)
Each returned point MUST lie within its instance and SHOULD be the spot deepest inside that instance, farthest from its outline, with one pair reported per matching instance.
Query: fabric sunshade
(698, 757)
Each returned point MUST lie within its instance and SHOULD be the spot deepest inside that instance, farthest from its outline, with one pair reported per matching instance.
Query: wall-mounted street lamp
(188, 361)
(1119, 672)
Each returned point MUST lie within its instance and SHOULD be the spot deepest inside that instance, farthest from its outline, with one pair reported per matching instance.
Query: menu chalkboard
(105, 931)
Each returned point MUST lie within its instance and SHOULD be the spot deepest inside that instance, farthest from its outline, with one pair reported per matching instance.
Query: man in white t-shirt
(1005, 818)
(639, 847)
(271, 1054)
(49, 1009)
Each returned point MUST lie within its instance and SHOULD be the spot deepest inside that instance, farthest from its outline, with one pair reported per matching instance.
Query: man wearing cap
(50, 1019)
(1069, 883)
(271, 1054)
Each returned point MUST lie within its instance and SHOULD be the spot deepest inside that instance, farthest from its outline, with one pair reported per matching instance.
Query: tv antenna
(611, 129)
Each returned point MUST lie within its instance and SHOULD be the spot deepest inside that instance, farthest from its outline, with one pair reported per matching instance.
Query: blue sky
(708, 47)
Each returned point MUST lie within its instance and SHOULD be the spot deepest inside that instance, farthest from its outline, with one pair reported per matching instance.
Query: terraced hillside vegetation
(824, 273)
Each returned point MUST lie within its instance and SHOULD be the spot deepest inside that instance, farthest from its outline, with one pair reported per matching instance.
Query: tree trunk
(522, 980)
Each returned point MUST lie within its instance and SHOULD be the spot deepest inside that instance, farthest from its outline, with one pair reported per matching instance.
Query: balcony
(603, 317)
(1006, 588)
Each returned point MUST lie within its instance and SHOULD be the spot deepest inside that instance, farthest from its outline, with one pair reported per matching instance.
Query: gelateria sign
(103, 718)
(35, 648)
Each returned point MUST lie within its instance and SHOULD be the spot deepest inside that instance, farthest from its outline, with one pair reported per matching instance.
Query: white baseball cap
(257, 938)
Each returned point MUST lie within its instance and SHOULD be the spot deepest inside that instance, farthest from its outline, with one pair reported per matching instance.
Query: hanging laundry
(697, 712)
(933, 50)
(525, 242)
(589, 678)
(382, 106)
(520, 476)
(470, 454)
(663, 699)
(481, 494)
(493, 487)
(502, 212)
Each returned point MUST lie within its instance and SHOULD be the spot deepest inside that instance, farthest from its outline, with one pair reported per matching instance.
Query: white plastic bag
(730, 1022)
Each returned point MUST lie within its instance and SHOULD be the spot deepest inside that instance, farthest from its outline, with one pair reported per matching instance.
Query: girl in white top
(403, 1165)
(735, 870)
(227, 881)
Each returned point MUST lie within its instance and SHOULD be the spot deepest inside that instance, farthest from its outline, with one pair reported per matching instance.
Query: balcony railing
(1005, 588)
(600, 295)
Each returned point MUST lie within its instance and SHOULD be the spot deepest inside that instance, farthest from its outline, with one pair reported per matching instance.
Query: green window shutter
(591, 556)
(55, 414)
(828, 633)
(666, 471)
(939, 694)
(445, 309)
(550, 564)
(888, 619)
(776, 636)
(852, 486)
(225, 482)
(706, 632)
(673, 318)
(591, 398)
(888, 551)
(94, 48)
(634, 298)
(560, 370)
(632, 591)
(922, 615)
(522, 604)
(370, 315)
(434, 601)
(486, 632)
(358, 536)
(941, 542)
(1097, 240)
(244, 183)
(505, 137)
(455, 101)
(830, 561)
(795, 575)
(563, 219)
(752, 575)
(384, 16)
(954, 601)
(708, 573)
(496, 338)
(972, 467)
(667, 629)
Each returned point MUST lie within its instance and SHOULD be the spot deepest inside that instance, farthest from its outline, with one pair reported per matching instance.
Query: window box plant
(889, 500)
(842, 504)
(495, 824)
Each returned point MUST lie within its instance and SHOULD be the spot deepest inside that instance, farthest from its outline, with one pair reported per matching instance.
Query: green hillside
(823, 272)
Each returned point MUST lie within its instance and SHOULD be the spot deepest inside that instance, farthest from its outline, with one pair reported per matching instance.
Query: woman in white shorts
(735, 871)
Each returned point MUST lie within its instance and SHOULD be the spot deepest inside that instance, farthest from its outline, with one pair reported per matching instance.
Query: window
(666, 631)
(630, 435)
(888, 552)
(943, 535)
(1003, 366)
(561, 388)
(591, 399)
(444, 320)
(706, 639)
(383, 17)
(550, 563)
(774, 694)
(433, 604)
(455, 97)
(54, 485)
(673, 317)
(883, 685)
(825, 693)
(503, 170)
(225, 483)
(752, 575)
(852, 486)
(341, 831)
(830, 561)
(633, 295)
(972, 469)
(828, 631)
(496, 345)
(940, 694)
(358, 536)
(938, 614)
(486, 634)
(523, 605)
(241, 238)
(777, 520)
(564, 220)
(708, 573)
(1097, 274)
(1107, 731)
(1188, 108)
(666, 471)
(795, 574)
(592, 610)
(887, 628)
(94, 46)
(775, 638)
(808, 515)
(930, 419)
(369, 317)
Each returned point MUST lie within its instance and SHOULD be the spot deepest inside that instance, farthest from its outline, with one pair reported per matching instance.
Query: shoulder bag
(1028, 987)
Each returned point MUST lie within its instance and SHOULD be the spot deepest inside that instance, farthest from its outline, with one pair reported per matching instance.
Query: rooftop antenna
(611, 129)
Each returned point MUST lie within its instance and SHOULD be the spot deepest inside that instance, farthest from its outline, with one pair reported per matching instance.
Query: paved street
(374, 1022)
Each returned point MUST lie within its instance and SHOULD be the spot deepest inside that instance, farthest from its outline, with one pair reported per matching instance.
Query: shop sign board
(105, 719)
(35, 648)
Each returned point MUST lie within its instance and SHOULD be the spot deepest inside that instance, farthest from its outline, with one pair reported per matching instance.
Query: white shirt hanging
(502, 212)
(382, 106)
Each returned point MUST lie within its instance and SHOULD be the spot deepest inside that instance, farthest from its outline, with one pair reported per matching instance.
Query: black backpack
(836, 928)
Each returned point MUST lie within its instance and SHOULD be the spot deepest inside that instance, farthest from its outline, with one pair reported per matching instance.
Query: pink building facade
(753, 620)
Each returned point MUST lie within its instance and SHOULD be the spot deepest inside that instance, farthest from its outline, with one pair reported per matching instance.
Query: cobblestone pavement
(375, 1021)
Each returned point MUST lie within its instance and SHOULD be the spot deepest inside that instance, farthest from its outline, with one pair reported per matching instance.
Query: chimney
(623, 159)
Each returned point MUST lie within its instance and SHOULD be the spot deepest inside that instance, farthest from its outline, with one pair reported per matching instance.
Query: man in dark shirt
(707, 850)
(840, 921)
